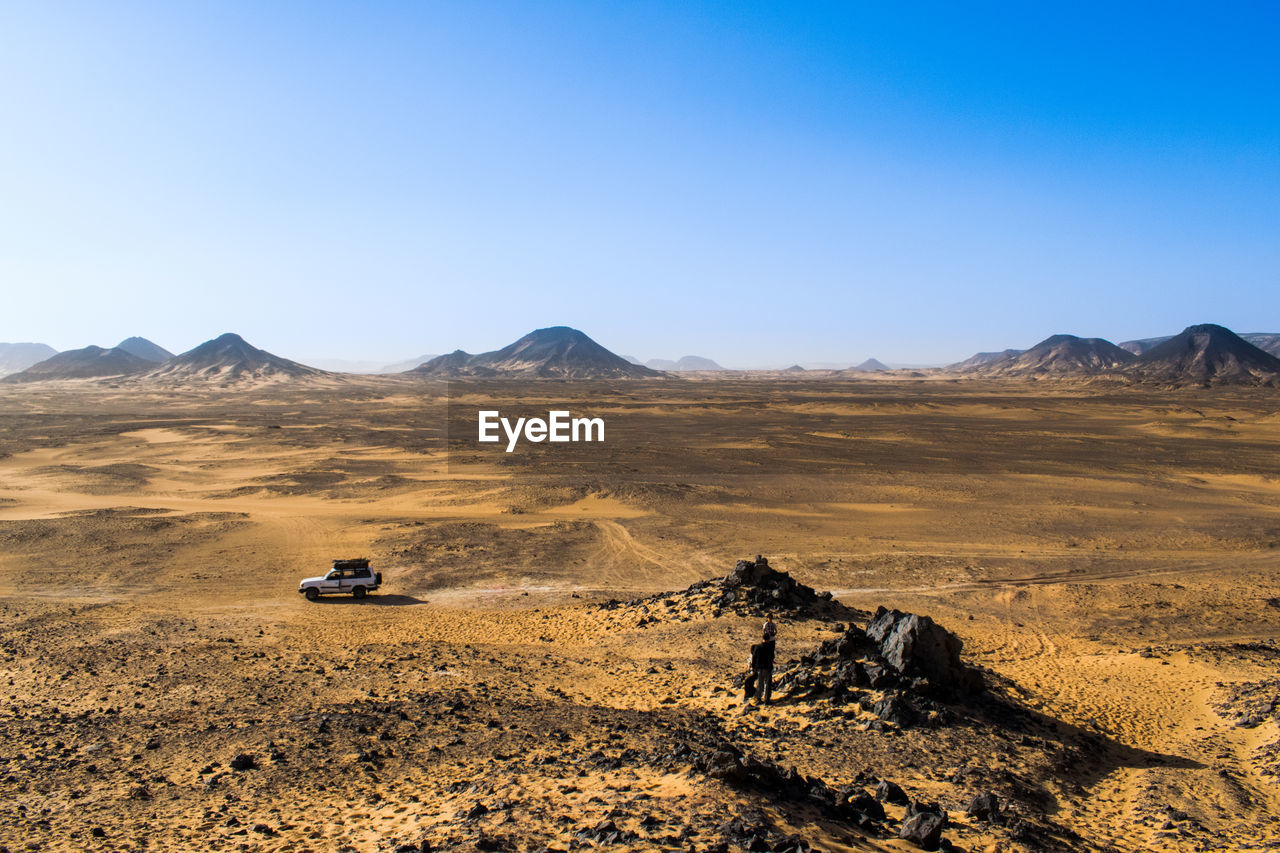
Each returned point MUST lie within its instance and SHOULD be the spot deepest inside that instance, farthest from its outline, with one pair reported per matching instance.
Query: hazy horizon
(756, 185)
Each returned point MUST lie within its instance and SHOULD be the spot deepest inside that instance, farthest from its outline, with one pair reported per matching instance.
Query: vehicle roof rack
(358, 563)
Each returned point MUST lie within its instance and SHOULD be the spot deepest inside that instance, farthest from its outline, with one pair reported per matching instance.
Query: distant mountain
(17, 357)
(1207, 354)
(1140, 346)
(871, 365)
(688, 362)
(1063, 355)
(144, 349)
(632, 359)
(407, 364)
(86, 363)
(230, 358)
(346, 365)
(795, 368)
(456, 363)
(555, 353)
(985, 359)
(1268, 342)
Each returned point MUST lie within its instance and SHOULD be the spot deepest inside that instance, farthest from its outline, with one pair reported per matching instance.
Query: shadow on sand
(371, 600)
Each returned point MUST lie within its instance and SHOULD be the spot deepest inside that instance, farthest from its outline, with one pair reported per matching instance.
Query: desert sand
(1108, 556)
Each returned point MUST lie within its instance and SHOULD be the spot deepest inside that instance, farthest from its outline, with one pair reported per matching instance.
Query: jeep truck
(346, 576)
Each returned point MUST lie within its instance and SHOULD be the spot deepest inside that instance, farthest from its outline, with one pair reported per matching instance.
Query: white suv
(346, 576)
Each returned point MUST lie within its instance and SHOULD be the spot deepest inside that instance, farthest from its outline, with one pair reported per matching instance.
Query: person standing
(762, 665)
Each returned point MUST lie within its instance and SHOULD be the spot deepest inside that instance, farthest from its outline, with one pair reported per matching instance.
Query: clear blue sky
(759, 183)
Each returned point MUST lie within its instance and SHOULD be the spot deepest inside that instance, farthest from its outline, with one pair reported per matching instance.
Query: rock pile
(755, 584)
(753, 588)
(849, 804)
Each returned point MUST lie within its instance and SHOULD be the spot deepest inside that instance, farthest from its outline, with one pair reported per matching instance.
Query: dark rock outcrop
(850, 805)
(755, 583)
(910, 657)
(916, 646)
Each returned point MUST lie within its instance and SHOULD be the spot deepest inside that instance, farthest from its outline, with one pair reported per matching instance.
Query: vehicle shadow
(371, 600)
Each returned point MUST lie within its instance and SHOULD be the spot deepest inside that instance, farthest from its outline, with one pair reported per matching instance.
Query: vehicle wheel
(358, 592)
(312, 593)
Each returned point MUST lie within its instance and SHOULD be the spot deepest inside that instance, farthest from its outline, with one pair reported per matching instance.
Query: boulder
(895, 709)
(984, 807)
(924, 830)
(865, 804)
(917, 646)
(891, 792)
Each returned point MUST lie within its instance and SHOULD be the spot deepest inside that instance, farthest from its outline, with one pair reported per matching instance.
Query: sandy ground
(1108, 556)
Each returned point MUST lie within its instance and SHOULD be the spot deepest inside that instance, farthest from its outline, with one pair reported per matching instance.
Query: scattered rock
(924, 830)
(244, 761)
(984, 807)
(891, 792)
(494, 843)
(895, 709)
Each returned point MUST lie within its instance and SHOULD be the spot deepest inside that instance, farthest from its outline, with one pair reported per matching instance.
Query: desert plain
(1108, 555)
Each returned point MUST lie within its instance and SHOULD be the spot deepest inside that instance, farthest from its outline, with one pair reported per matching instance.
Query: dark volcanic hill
(985, 359)
(230, 357)
(16, 357)
(456, 363)
(145, 349)
(84, 363)
(1207, 354)
(1062, 355)
(871, 365)
(555, 353)
(1268, 342)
